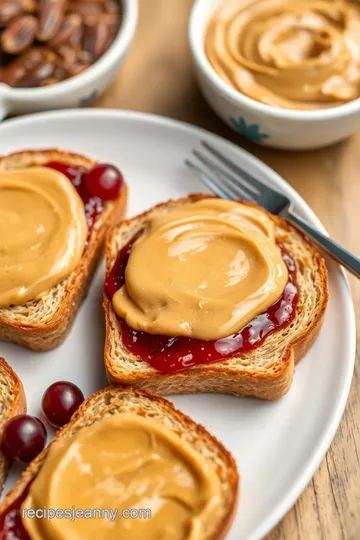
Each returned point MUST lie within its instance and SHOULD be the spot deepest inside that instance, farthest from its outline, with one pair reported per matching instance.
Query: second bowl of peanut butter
(282, 73)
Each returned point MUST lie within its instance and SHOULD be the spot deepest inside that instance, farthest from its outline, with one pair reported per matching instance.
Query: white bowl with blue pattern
(263, 124)
(80, 90)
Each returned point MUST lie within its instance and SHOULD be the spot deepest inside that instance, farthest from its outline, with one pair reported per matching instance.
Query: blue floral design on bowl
(250, 131)
(88, 99)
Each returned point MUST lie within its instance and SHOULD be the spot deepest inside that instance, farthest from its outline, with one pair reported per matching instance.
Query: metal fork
(240, 184)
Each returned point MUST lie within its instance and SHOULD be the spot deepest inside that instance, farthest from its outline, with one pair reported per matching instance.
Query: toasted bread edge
(18, 406)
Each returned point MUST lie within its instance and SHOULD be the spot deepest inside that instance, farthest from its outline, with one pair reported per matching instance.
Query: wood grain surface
(157, 77)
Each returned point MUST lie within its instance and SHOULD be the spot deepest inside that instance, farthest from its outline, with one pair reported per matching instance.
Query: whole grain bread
(43, 324)
(12, 403)
(114, 400)
(265, 372)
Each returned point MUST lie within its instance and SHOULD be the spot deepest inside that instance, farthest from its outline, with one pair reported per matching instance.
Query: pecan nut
(66, 57)
(15, 71)
(87, 9)
(28, 5)
(70, 28)
(76, 38)
(111, 6)
(96, 39)
(76, 69)
(37, 75)
(8, 11)
(31, 58)
(51, 18)
(19, 34)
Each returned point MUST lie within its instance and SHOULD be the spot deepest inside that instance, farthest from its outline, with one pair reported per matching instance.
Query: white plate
(278, 446)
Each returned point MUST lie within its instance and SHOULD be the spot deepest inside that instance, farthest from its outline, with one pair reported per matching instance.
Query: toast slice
(42, 325)
(113, 400)
(265, 372)
(12, 403)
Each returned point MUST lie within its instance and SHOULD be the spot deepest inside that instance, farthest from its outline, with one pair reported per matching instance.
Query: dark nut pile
(43, 42)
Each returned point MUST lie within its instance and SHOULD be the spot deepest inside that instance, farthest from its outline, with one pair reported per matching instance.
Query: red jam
(11, 526)
(172, 354)
(93, 205)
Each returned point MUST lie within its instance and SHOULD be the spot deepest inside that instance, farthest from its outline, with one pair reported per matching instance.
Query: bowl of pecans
(56, 54)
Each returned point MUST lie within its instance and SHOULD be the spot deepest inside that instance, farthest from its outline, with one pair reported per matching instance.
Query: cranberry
(23, 438)
(60, 401)
(104, 181)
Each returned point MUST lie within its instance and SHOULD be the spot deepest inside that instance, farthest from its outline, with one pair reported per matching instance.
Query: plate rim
(288, 500)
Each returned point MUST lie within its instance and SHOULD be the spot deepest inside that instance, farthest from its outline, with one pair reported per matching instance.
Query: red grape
(23, 438)
(60, 401)
(104, 181)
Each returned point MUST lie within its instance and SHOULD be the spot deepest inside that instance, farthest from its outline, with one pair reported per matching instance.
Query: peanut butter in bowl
(293, 54)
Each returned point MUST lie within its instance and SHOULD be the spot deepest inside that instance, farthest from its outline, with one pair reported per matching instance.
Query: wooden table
(158, 78)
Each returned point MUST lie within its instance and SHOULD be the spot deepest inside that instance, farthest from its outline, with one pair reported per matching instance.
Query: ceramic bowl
(263, 124)
(80, 90)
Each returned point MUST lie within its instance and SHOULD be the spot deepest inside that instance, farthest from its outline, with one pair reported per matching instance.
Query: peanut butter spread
(203, 270)
(42, 230)
(296, 54)
(125, 462)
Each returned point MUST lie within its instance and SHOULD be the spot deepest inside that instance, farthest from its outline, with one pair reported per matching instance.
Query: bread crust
(217, 377)
(17, 406)
(112, 397)
(43, 336)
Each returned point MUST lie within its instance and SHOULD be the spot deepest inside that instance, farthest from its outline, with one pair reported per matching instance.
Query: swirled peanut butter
(42, 230)
(296, 54)
(202, 270)
(125, 462)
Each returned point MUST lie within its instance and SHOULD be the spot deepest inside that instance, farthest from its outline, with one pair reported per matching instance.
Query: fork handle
(341, 255)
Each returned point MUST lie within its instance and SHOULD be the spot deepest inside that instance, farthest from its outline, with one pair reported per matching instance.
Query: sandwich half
(115, 402)
(264, 372)
(43, 324)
